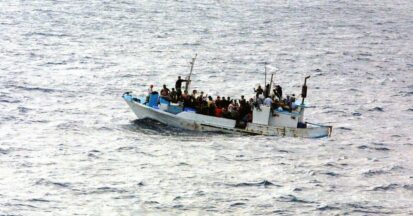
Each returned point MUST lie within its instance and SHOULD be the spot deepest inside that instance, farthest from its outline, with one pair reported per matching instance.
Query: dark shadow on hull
(154, 127)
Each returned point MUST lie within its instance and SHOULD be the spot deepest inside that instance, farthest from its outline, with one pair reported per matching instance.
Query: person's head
(228, 98)
(202, 93)
(209, 98)
(164, 86)
(179, 77)
(173, 89)
(185, 91)
(242, 97)
(194, 92)
(218, 97)
(151, 86)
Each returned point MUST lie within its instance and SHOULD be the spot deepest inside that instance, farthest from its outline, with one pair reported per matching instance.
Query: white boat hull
(143, 112)
(197, 122)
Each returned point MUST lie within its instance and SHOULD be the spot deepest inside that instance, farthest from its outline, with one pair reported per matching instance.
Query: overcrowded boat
(268, 113)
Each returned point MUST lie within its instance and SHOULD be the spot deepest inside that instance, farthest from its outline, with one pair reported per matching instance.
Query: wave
(344, 128)
(327, 208)
(330, 173)
(373, 148)
(393, 186)
(9, 101)
(292, 198)
(375, 172)
(179, 206)
(237, 204)
(45, 90)
(406, 93)
(4, 151)
(107, 189)
(378, 109)
(333, 111)
(23, 109)
(364, 208)
(356, 114)
(125, 148)
(38, 200)
(263, 183)
(45, 182)
(47, 34)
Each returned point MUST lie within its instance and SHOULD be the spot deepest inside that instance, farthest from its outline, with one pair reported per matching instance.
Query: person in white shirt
(268, 101)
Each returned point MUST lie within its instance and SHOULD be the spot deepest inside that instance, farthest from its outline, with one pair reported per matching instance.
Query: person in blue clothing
(150, 90)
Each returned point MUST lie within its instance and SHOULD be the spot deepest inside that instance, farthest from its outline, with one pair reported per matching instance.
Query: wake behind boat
(266, 114)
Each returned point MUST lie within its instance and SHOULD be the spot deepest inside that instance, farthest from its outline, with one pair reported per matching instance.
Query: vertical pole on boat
(265, 74)
(190, 73)
(272, 75)
(304, 90)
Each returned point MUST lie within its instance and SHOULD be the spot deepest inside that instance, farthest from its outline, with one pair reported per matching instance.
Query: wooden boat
(265, 120)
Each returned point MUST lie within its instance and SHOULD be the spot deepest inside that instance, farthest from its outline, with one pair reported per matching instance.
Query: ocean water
(69, 145)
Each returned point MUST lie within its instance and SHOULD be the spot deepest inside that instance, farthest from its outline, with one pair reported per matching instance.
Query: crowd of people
(237, 109)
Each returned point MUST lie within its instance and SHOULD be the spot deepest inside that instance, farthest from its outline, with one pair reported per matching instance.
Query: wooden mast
(269, 93)
(265, 74)
(190, 73)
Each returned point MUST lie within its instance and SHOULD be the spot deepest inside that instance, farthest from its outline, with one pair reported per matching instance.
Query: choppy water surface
(69, 145)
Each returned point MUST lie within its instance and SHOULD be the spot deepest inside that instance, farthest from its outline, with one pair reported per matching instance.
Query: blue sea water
(69, 145)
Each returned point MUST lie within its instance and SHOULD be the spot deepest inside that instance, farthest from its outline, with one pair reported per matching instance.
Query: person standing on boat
(218, 102)
(211, 106)
(258, 91)
(278, 92)
(224, 103)
(178, 85)
(242, 101)
(267, 91)
(228, 101)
